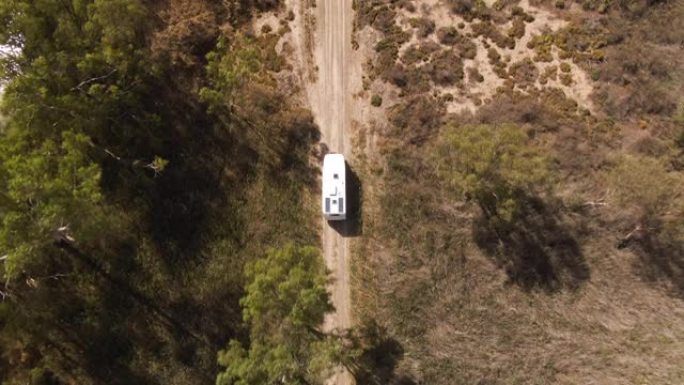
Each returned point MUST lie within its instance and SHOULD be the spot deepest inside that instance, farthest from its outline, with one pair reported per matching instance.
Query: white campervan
(333, 193)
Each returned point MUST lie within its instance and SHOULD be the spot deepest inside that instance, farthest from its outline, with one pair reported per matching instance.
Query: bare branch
(599, 202)
(92, 80)
(637, 233)
(602, 201)
(53, 276)
(112, 154)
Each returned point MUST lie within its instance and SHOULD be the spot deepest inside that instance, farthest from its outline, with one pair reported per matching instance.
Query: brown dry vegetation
(585, 285)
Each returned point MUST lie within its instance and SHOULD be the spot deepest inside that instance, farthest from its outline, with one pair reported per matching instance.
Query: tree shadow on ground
(379, 359)
(661, 256)
(537, 250)
(353, 225)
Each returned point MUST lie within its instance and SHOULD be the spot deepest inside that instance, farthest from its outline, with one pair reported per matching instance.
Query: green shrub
(490, 165)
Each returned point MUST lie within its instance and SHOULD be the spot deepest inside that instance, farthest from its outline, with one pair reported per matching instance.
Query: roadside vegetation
(523, 217)
(155, 186)
(529, 235)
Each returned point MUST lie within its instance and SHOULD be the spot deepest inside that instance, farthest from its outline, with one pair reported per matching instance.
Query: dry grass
(558, 300)
(586, 316)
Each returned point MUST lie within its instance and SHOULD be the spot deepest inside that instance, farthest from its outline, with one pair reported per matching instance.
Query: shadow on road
(353, 225)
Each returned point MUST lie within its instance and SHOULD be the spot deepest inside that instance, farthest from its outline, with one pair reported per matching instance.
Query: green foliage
(232, 64)
(643, 184)
(134, 190)
(47, 188)
(493, 165)
(284, 304)
(65, 84)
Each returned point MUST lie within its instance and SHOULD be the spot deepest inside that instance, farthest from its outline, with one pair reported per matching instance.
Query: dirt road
(330, 97)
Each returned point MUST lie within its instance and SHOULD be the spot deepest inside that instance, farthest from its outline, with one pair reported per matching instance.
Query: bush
(376, 100)
(550, 73)
(493, 55)
(566, 79)
(446, 68)
(643, 186)
(517, 30)
(417, 53)
(491, 165)
(416, 119)
(450, 36)
(461, 7)
(474, 75)
(490, 31)
(424, 25)
(524, 72)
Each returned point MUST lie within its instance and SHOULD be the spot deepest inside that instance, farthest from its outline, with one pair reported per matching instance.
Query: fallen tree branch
(638, 230)
(599, 202)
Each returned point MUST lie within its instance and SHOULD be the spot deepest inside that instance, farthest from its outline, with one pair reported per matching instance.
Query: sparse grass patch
(565, 67)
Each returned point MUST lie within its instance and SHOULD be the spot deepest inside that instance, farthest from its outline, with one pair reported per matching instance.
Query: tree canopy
(491, 165)
(133, 187)
(284, 305)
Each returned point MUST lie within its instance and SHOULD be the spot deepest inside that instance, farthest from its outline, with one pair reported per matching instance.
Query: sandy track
(330, 70)
(330, 97)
